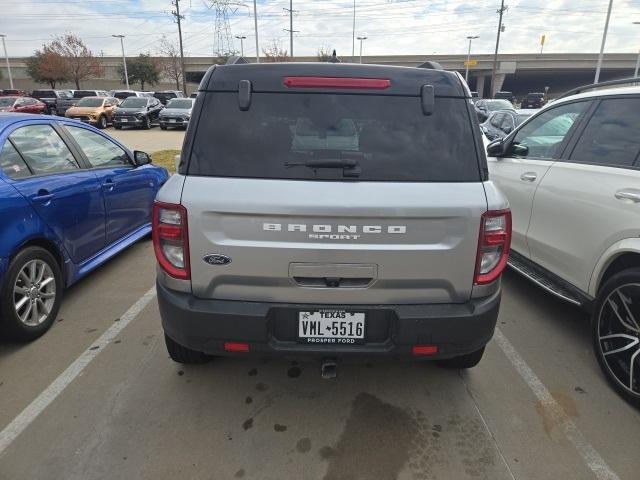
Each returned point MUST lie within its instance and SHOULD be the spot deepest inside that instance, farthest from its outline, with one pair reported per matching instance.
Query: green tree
(48, 66)
(142, 70)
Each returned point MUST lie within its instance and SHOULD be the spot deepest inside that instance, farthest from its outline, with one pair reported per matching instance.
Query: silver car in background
(177, 113)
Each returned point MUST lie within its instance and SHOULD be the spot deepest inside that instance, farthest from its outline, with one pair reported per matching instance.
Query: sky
(391, 26)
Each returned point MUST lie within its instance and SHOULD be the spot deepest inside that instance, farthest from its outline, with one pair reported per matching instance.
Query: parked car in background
(177, 113)
(572, 177)
(166, 95)
(193, 95)
(504, 95)
(97, 111)
(502, 122)
(484, 107)
(268, 245)
(51, 97)
(22, 105)
(12, 92)
(474, 94)
(72, 198)
(89, 93)
(137, 112)
(122, 94)
(533, 100)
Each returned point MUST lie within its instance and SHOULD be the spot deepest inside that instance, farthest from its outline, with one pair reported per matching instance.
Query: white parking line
(589, 454)
(42, 401)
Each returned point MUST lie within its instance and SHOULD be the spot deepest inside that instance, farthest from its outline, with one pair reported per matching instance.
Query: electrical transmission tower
(223, 45)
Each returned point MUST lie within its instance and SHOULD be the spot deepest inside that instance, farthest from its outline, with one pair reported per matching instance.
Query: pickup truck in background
(54, 99)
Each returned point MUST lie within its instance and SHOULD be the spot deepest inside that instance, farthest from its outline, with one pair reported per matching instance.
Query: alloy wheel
(619, 336)
(34, 293)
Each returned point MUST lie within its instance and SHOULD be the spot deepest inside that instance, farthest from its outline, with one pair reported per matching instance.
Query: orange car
(97, 111)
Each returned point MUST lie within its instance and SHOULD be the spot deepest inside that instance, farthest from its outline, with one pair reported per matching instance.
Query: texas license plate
(172, 120)
(331, 327)
(124, 120)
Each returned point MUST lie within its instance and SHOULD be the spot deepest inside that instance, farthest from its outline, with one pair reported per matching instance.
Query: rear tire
(462, 362)
(146, 123)
(181, 354)
(616, 334)
(102, 122)
(16, 301)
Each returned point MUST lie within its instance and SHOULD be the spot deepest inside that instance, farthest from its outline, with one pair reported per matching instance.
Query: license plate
(172, 120)
(124, 120)
(331, 327)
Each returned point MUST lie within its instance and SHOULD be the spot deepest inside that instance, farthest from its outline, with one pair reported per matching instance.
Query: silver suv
(331, 210)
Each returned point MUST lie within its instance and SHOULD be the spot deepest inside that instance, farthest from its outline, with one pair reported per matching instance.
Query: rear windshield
(84, 93)
(134, 102)
(43, 94)
(90, 102)
(123, 95)
(388, 136)
(180, 103)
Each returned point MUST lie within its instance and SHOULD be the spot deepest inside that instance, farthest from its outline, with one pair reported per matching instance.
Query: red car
(12, 92)
(22, 105)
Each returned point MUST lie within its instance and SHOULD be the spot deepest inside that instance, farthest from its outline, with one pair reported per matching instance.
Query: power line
(290, 29)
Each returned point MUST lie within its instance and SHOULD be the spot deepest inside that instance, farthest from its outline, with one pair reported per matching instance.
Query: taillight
(171, 239)
(493, 245)
(337, 82)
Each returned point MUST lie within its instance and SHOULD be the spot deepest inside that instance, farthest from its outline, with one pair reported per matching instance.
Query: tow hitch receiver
(329, 368)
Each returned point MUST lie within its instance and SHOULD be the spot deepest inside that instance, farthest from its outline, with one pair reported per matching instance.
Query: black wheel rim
(619, 336)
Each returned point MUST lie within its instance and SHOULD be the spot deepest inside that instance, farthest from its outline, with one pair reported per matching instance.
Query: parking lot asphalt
(148, 140)
(95, 398)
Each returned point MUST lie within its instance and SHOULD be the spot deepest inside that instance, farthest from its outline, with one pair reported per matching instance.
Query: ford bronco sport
(331, 210)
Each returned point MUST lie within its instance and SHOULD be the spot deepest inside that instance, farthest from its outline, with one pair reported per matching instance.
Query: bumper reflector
(425, 349)
(236, 347)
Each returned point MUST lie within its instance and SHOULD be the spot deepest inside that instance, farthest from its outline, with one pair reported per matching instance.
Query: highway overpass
(518, 73)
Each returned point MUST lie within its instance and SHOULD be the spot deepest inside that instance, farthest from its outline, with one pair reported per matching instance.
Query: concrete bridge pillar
(499, 82)
(480, 86)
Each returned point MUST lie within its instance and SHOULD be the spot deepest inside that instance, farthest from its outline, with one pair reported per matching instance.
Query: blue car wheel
(31, 294)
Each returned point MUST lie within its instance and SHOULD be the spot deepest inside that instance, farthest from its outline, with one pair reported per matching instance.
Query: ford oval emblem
(216, 259)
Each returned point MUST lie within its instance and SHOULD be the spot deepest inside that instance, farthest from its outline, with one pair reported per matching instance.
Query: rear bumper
(270, 328)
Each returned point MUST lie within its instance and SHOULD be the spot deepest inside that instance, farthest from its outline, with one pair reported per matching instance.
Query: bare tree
(80, 60)
(324, 53)
(274, 52)
(170, 63)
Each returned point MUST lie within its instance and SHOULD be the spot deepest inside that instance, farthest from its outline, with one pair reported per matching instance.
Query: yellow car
(97, 111)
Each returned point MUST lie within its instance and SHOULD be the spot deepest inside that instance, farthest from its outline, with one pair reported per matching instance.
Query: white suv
(571, 174)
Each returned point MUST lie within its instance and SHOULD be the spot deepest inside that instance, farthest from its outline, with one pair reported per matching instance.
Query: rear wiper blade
(350, 166)
(325, 163)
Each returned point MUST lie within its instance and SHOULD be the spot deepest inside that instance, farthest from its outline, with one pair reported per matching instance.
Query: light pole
(6, 59)
(255, 25)
(353, 34)
(604, 40)
(466, 70)
(635, 73)
(242, 38)
(361, 40)
(124, 59)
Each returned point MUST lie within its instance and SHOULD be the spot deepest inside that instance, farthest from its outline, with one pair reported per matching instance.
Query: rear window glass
(84, 93)
(43, 94)
(134, 102)
(388, 136)
(90, 102)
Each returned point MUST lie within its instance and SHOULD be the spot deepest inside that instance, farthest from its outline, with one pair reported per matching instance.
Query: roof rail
(609, 83)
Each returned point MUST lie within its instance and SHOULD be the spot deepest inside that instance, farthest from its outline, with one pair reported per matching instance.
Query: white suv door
(591, 199)
(529, 156)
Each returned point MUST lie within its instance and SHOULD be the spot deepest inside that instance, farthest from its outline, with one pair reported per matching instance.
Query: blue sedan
(71, 197)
